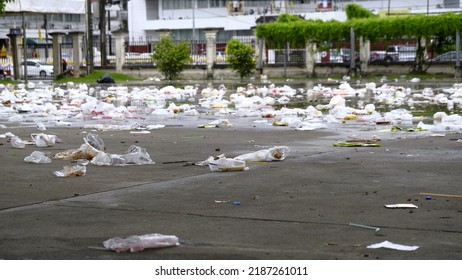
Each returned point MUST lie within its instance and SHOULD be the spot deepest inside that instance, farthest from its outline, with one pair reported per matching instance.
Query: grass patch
(8, 81)
(93, 77)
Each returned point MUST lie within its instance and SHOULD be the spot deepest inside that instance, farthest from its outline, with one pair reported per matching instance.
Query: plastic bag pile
(65, 104)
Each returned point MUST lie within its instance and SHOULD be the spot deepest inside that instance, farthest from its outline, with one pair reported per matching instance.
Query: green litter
(355, 144)
(207, 126)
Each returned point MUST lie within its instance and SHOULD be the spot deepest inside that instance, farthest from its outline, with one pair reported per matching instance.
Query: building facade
(185, 19)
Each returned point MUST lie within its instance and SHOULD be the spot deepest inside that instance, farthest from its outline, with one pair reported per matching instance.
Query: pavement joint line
(160, 184)
(250, 218)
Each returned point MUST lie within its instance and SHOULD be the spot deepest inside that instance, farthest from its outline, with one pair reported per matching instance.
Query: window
(177, 4)
(217, 3)
(71, 18)
(257, 3)
(211, 3)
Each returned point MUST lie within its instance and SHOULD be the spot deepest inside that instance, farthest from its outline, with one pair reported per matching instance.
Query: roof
(46, 6)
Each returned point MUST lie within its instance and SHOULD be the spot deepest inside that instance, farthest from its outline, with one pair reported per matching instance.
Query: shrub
(240, 57)
(170, 58)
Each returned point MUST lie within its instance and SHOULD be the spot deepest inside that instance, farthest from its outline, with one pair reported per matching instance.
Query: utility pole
(102, 31)
(194, 39)
(89, 37)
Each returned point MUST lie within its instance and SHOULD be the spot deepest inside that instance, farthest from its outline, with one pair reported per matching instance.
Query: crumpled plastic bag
(17, 142)
(135, 156)
(101, 159)
(45, 140)
(276, 153)
(37, 157)
(221, 123)
(41, 127)
(85, 151)
(225, 164)
(137, 243)
(71, 171)
(95, 141)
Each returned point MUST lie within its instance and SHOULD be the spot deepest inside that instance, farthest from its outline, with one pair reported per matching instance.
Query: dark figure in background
(64, 64)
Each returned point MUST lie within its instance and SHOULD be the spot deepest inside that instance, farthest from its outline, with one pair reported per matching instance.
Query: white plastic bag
(17, 143)
(137, 243)
(276, 153)
(95, 141)
(226, 164)
(85, 151)
(41, 127)
(37, 157)
(101, 159)
(71, 171)
(135, 155)
(44, 140)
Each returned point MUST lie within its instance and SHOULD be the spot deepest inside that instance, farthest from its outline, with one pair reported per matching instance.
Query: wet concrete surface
(299, 208)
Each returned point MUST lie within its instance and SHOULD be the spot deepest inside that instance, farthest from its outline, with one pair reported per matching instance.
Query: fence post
(310, 60)
(352, 52)
(119, 49)
(57, 40)
(17, 56)
(364, 53)
(76, 52)
(458, 72)
(211, 52)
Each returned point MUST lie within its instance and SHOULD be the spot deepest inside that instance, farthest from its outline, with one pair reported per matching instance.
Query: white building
(185, 18)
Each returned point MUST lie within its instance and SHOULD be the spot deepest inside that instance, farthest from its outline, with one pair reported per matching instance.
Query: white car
(38, 68)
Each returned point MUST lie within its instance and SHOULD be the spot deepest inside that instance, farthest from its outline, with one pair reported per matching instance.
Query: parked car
(447, 57)
(395, 53)
(37, 68)
(345, 55)
(341, 55)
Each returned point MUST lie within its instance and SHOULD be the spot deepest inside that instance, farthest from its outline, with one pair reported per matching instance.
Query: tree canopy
(169, 57)
(3, 4)
(366, 24)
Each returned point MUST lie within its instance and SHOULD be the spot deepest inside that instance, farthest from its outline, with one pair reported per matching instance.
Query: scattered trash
(442, 195)
(71, 171)
(402, 205)
(85, 151)
(17, 142)
(355, 144)
(376, 229)
(37, 157)
(390, 245)
(45, 140)
(41, 127)
(226, 164)
(137, 243)
(140, 132)
(276, 153)
(95, 141)
(135, 156)
(105, 79)
(221, 123)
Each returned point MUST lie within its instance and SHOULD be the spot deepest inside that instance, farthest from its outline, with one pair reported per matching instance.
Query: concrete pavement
(299, 208)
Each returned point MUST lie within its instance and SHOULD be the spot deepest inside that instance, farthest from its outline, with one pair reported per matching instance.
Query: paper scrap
(390, 245)
(401, 205)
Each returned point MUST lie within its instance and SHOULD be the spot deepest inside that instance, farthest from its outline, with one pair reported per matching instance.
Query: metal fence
(139, 53)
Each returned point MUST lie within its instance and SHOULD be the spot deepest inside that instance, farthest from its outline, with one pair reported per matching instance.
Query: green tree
(356, 11)
(170, 58)
(3, 4)
(240, 57)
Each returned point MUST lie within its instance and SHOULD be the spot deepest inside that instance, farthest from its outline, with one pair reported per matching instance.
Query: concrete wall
(322, 71)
